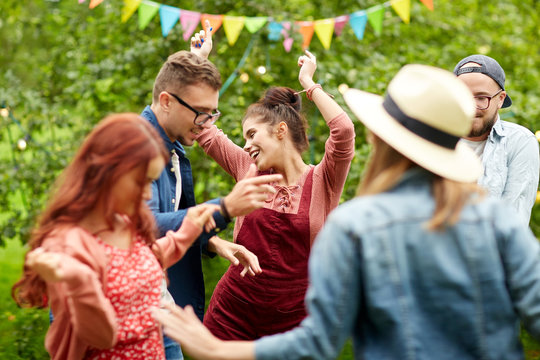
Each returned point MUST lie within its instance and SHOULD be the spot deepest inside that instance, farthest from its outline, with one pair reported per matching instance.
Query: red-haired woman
(94, 257)
(281, 233)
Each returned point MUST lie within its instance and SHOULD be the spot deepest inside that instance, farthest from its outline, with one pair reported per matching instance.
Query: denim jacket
(186, 282)
(403, 292)
(511, 166)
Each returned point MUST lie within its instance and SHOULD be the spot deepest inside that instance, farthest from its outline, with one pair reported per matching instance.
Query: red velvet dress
(272, 302)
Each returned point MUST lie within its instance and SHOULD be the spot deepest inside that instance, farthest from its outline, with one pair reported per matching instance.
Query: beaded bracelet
(309, 92)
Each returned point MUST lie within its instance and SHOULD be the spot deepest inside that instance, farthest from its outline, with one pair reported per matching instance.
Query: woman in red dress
(282, 232)
(94, 257)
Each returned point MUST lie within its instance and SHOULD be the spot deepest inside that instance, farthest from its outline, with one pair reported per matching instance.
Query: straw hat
(423, 115)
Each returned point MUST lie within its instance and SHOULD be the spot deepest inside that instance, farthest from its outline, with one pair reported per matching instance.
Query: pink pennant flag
(189, 21)
(340, 23)
(287, 44)
(81, 1)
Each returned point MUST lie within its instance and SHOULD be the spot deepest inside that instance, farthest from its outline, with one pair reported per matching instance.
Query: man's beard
(484, 129)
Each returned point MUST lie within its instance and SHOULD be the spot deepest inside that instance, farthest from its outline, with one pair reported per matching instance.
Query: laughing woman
(281, 233)
(94, 258)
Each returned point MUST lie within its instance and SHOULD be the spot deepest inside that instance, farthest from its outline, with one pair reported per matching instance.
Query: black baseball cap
(489, 67)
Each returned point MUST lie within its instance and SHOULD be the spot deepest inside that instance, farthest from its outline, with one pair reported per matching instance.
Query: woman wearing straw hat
(420, 265)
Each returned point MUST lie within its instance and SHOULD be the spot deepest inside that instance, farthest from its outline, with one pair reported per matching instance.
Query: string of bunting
(233, 25)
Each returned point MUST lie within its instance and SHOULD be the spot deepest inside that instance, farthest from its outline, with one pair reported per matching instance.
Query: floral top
(133, 287)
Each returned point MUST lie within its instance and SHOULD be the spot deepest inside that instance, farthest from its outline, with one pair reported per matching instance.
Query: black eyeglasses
(482, 101)
(203, 117)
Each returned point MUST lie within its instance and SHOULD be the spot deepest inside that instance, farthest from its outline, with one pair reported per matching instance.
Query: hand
(236, 254)
(48, 265)
(308, 65)
(250, 193)
(201, 215)
(185, 327)
(201, 42)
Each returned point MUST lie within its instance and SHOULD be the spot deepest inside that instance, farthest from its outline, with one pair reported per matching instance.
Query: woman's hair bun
(276, 96)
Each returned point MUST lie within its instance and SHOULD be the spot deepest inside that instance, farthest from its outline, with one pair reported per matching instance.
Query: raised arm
(339, 148)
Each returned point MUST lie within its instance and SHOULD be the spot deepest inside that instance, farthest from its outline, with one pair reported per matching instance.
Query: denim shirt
(511, 166)
(403, 292)
(186, 282)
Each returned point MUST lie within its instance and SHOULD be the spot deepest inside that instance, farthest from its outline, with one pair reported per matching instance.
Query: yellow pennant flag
(129, 8)
(403, 9)
(233, 25)
(94, 3)
(324, 30)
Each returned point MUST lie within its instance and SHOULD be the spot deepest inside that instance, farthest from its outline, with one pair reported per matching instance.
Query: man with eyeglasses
(185, 100)
(509, 151)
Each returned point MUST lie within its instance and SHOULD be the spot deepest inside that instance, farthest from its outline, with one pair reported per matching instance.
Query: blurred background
(64, 66)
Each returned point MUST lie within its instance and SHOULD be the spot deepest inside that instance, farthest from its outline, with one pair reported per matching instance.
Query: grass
(22, 330)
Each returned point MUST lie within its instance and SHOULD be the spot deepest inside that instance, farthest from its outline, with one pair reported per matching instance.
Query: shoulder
(380, 211)
(77, 243)
(514, 130)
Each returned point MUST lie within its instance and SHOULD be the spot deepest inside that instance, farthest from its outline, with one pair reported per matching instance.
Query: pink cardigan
(83, 315)
(328, 176)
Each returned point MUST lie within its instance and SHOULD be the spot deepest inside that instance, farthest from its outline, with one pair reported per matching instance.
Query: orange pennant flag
(306, 29)
(94, 3)
(428, 3)
(215, 21)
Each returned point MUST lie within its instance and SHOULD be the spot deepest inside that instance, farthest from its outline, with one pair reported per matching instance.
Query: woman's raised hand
(308, 65)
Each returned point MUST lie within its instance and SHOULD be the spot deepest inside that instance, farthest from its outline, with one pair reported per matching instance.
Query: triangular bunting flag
(375, 16)
(358, 22)
(81, 1)
(169, 16)
(189, 21)
(403, 9)
(129, 8)
(233, 25)
(254, 24)
(94, 3)
(274, 31)
(339, 23)
(306, 29)
(147, 11)
(324, 30)
(215, 21)
(428, 3)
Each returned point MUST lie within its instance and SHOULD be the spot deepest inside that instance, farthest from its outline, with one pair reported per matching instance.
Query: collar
(413, 176)
(497, 129)
(149, 114)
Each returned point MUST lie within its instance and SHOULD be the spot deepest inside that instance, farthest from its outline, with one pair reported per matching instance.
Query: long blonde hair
(386, 166)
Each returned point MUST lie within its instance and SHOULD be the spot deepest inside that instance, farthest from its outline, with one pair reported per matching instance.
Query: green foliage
(63, 67)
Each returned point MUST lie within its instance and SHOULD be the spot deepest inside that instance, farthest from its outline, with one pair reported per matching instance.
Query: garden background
(64, 66)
